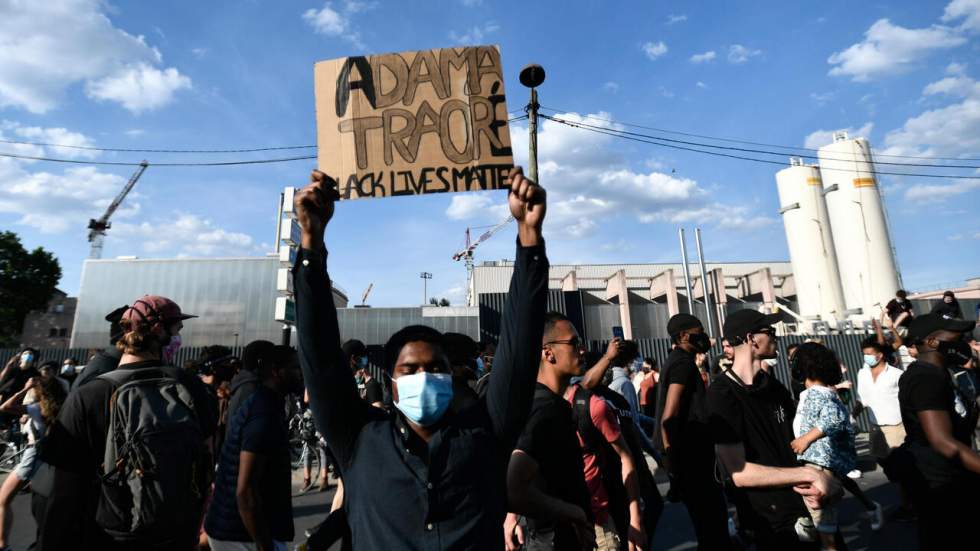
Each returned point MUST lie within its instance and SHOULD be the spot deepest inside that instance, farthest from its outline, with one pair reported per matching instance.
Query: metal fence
(847, 347)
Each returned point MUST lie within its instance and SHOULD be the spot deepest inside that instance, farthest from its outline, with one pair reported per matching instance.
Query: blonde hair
(50, 396)
(138, 338)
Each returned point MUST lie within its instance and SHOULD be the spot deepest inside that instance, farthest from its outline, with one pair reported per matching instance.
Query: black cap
(681, 322)
(927, 324)
(948, 294)
(743, 322)
(255, 352)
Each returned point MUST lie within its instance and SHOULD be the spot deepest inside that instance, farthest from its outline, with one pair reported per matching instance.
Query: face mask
(359, 380)
(362, 362)
(170, 351)
(423, 397)
(870, 360)
(956, 353)
(700, 341)
(27, 357)
(479, 366)
(771, 362)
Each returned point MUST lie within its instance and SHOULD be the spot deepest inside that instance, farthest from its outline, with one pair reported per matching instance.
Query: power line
(731, 140)
(619, 134)
(764, 152)
(129, 150)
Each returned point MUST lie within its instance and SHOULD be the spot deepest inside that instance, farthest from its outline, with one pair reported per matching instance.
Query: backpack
(609, 464)
(154, 477)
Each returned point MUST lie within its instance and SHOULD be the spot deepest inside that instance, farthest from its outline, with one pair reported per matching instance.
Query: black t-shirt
(14, 380)
(694, 444)
(895, 309)
(550, 438)
(925, 387)
(373, 392)
(760, 417)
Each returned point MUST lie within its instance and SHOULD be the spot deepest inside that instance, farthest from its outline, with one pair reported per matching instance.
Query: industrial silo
(865, 257)
(810, 242)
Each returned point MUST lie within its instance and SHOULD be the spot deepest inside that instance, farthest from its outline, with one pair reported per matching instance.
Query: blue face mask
(870, 360)
(479, 366)
(362, 362)
(423, 397)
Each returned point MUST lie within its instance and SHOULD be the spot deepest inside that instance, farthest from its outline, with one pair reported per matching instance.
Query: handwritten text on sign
(411, 123)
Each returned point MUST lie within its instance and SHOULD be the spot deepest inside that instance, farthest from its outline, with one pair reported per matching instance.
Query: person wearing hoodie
(949, 307)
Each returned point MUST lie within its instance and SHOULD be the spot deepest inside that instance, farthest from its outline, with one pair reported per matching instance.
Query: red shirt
(605, 420)
(646, 386)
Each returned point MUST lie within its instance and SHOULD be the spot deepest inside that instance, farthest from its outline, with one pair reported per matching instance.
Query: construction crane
(97, 228)
(366, 293)
(466, 254)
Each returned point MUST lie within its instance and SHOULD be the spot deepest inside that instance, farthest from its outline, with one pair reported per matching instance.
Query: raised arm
(515, 366)
(337, 409)
(594, 375)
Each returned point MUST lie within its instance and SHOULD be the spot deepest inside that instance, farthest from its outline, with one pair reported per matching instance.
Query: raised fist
(314, 207)
(528, 203)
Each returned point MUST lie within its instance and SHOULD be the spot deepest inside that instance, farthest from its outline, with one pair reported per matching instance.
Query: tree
(443, 302)
(27, 282)
(438, 301)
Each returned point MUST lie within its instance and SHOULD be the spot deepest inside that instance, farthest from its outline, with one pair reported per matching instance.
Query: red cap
(154, 308)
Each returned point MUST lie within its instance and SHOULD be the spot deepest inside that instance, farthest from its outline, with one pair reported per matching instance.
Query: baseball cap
(927, 324)
(154, 308)
(743, 322)
(681, 322)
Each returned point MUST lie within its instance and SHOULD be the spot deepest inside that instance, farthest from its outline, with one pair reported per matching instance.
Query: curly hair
(50, 396)
(138, 338)
(818, 363)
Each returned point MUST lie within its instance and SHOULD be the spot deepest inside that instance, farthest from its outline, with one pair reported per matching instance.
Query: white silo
(865, 256)
(810, 242)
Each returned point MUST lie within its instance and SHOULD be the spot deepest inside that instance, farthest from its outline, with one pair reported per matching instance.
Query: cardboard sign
(413, 123)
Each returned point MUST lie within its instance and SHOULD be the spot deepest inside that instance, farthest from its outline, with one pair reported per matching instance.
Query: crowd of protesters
(529, 443)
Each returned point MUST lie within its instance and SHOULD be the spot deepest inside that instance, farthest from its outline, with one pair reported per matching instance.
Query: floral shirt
(821, 408)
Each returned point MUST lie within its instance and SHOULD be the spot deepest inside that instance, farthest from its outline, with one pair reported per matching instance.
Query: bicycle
(304, 443)
(12, 447)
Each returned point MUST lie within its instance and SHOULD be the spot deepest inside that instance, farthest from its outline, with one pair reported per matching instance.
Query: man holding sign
(425, 476)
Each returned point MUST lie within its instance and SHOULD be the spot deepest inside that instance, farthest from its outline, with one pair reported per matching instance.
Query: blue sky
(239, 74)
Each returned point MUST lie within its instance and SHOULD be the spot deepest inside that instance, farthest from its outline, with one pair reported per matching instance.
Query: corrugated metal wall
(377, 325)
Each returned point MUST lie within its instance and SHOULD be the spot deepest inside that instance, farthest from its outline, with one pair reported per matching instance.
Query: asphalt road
(674, 532)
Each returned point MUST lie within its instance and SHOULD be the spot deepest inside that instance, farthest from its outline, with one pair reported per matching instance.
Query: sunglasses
(574, 342)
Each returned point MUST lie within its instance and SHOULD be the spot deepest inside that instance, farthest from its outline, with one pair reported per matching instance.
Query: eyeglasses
(767, 331)
(574, 342)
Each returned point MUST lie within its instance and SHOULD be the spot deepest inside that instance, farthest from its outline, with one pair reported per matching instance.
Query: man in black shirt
(545, 478)
(682, 436)
(423, 476)
(106, 360)
(940, 469)
(75, 444)
(252, 489)
(899, 311)
(751, 420)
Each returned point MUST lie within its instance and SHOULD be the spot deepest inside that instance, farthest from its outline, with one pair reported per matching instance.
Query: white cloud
(199, 52)
(51, 136)
(822, 98)
(589, 181)
(949, 131)
(889, 49)
(738, 53)
(184, 234)
(703, 58)
(611, 87)
(468, 205)
(134, 132)
(672, 18)
(956, 68)
(935, 193)
(700, 84)
(47, 47)
(332, 22)
(653, 50)
(969, 10)
(820, 138)
(474, 35)
(139, 88)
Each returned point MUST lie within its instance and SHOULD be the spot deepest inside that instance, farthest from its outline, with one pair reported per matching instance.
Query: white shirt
(881, 396)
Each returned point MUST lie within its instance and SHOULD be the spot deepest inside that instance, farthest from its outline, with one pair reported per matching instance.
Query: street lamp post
(532, 76)
(426, 276)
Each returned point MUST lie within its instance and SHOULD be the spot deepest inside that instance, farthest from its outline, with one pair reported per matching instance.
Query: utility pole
(706, 291)
(426, 276)
(532, 76)
(687, 272)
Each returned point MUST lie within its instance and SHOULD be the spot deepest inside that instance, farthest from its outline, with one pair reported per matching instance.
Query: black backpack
(155, 475)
